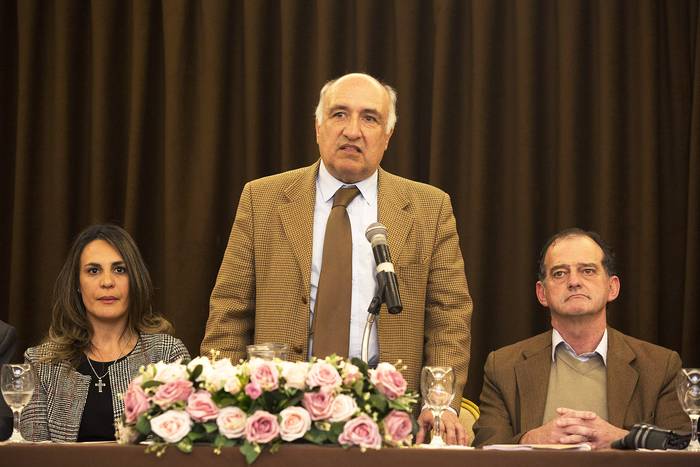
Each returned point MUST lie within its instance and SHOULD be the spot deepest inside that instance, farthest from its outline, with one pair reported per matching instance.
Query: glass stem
(694, 429)
(437, 428)
(16, 414)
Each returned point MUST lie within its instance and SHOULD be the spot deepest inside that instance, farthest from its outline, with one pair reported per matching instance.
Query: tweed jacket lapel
(393, 213)
(621, 377)
(297, 217)
(532, 380)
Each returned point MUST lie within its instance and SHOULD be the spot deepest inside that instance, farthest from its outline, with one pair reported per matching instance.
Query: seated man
(582, 382)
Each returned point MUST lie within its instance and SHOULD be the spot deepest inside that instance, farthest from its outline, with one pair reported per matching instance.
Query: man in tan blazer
(267, 280)
(637, 382)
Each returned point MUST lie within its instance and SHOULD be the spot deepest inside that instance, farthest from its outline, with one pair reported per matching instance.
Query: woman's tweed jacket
(56, 408)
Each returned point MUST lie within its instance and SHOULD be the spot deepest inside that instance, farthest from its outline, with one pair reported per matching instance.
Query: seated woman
(103, 328)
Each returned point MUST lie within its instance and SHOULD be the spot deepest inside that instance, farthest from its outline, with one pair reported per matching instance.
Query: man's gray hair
(391, 119)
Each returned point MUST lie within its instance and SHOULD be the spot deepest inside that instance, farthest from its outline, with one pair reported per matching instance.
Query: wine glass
(437, 384)
(268, 351)
(688, 388)
(17, 385)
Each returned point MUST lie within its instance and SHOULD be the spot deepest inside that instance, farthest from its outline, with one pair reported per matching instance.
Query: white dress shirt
(362, 212)
(601, 349)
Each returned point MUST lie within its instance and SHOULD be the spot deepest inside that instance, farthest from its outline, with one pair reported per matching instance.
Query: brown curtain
(533, 115)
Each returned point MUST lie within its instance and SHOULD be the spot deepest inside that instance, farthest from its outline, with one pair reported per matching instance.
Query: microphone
(376, 235)
(643, 436)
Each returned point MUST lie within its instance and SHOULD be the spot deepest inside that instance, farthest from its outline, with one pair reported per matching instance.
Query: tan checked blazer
(640, 384)
(262, 291)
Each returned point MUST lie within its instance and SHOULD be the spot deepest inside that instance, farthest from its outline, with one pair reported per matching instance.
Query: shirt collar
(328, 185)
(601, 349)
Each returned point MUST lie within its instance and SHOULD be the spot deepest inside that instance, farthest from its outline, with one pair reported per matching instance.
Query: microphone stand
(372, 314)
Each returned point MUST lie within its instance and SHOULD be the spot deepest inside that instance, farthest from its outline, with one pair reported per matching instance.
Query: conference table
(306, 455)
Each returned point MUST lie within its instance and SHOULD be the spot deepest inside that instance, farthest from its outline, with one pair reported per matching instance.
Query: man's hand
(602, 432)
(451, 430)
(573, 427)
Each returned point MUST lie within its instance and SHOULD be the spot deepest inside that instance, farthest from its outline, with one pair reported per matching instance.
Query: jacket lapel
(532, 380)
(393, 212)
(621, 378)
(297, 217)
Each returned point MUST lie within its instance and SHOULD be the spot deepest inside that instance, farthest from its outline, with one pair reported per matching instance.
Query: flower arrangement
(260, 403)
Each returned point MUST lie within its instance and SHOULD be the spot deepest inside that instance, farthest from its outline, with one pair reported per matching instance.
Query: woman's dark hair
(70, 332)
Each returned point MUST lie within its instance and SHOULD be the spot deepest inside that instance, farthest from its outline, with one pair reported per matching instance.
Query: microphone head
(376, 234)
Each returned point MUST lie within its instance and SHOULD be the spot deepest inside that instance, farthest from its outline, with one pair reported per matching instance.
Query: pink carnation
(398, 427)
(388, 380)
(361, 431)
(261, 427)
(318, 404)
(135, 403)
(174, 391)
(201, 407)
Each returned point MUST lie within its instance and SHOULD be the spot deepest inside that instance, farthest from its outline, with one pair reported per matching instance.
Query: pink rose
(323, 374)
(361, 431)
(343, 408)
(135, 402)
(388, 380)
(253, 390)
(398, 428)
(264, 373)
(294, 424)
(262, 427)
(201, 408)
(319, 404)
(172, 425)
(172, 392)
(231, 422)
(351, 373)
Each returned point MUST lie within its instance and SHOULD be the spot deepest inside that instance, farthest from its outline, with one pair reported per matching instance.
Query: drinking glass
(688, 388)
(268, 351)
(17, 384)
(437, 384)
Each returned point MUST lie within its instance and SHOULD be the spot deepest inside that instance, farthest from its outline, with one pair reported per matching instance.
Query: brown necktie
(331, 324)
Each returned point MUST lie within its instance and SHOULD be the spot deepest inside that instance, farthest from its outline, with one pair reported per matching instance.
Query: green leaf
(361, 364)
(143, 425)
(195, 373)
(221, 441)
(185, 445)
(358, 387)
(378, 401)
(151, 384)
(250, 451)
(210, 427)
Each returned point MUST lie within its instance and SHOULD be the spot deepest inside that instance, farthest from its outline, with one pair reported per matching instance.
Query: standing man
(581, 382)
(279, 283)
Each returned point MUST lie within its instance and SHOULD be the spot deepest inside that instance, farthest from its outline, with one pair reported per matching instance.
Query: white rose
(295, 422)
(221, 372)
(206, 367)
(169, 372)
(231, 422)
(172, 425)
(294, 374)
(343, 408)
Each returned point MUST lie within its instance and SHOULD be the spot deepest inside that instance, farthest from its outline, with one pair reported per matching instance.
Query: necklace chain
(99, 385)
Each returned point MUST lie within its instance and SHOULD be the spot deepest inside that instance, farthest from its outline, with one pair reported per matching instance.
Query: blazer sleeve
(448, 304)
(495, 424)
(669, 414)
(232, 303)
(34, 420)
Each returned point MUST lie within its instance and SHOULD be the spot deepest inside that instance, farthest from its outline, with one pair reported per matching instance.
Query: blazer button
(304, 300)
(298, 349)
